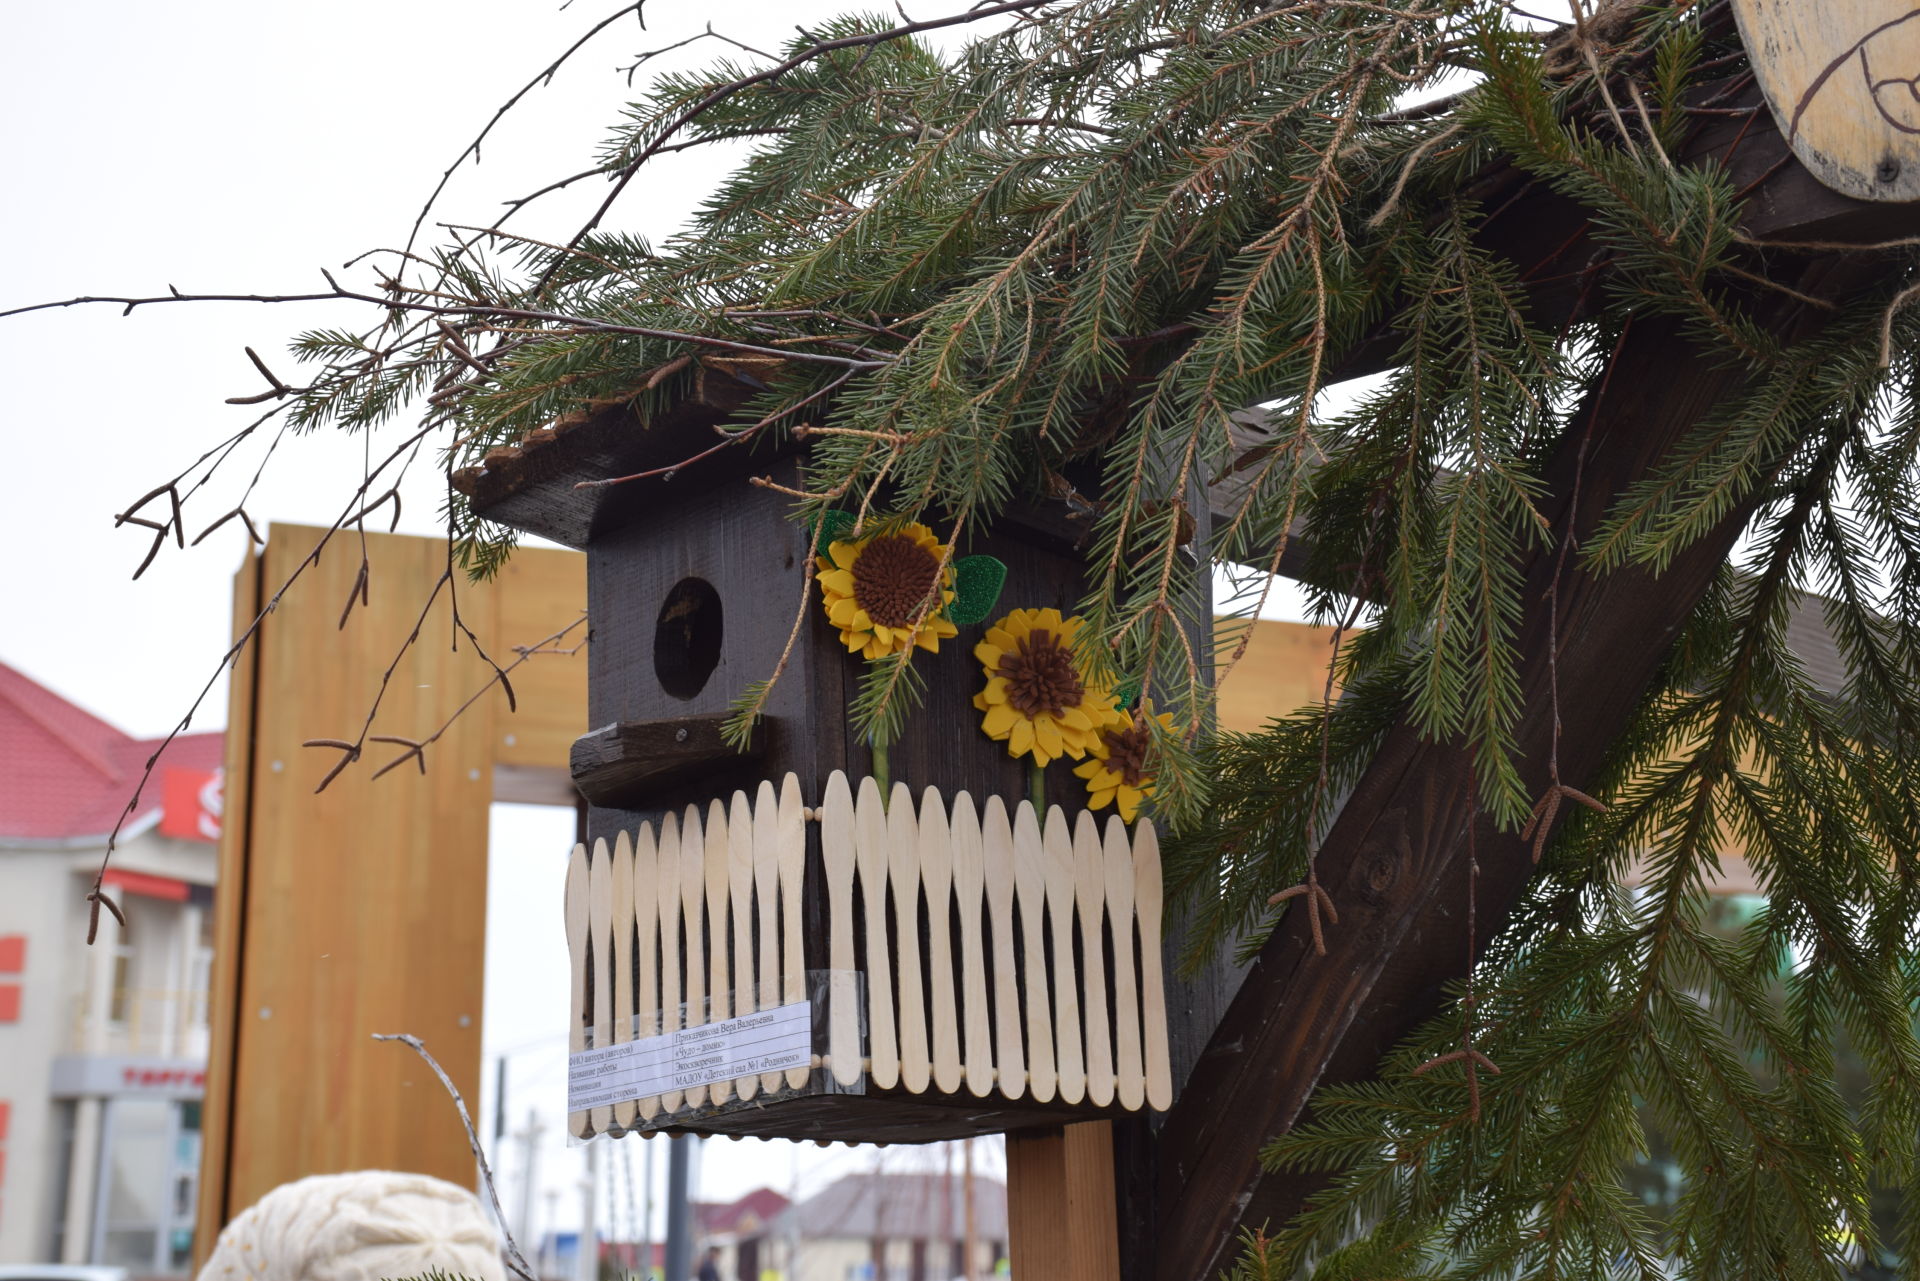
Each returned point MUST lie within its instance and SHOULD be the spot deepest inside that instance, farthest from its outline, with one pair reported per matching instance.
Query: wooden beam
(1062, 1219)
(229, 917)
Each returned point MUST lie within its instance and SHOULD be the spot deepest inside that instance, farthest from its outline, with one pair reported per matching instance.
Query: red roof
(67, 774)
(751, 1214)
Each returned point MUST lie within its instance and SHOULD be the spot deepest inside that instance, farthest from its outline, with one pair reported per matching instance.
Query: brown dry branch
(1318, 900)
(408, 447)
(544, 77)
(729, 439)
(476, 309)
(276, 389)
(516, 1261)
(98, 898)
(415, 748)
(819, 49)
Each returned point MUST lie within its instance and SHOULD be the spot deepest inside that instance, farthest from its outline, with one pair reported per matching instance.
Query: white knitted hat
(366, 1226)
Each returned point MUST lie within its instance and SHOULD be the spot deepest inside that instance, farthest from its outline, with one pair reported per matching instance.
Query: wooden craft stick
(903, 873)
(623, 1109)
(1057, 845)
(718, 865)
(579, 1124)
(936, 881)
(996, 844)
(837, 857)
(969, 884)
(693, 883)
(672, 990)
(740, 900)
(1149, 894)
(766, 893)
(792, 840)
(600, 924)
(1030, 890)
(1089, 889)
(1130, 1075)
(870, 857)
(646, 919)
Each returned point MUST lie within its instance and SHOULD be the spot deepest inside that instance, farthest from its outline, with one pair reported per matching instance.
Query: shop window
(119, 1006)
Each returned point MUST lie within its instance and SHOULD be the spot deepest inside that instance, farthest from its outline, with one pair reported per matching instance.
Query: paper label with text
(769, 1041)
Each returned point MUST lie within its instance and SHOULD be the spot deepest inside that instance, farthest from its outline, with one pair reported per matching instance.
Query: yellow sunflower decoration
(1118, 774)
(876, 590)
(1038, 700)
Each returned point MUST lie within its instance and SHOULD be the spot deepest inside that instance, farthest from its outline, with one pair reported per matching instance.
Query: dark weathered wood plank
(627, 763)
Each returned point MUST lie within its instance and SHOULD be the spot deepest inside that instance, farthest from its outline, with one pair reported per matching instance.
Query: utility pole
(586, 1260)
(529, 1139)
(793, 1217)
(499, 1100)
(679, 1213)
(970, 1242)
(547, 1244)
(646, 1211)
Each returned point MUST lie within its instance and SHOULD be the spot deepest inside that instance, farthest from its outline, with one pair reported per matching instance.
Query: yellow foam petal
(1020, 737)
(999, 720)
(838, 580)
(844, 554)
(1047, 735)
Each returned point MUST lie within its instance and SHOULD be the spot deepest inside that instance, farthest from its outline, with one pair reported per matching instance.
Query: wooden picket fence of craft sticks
(1033, 1027)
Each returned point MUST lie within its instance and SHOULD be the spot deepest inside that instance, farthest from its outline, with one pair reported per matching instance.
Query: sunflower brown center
(892, 578)
(1127, 752)
(1041, 677)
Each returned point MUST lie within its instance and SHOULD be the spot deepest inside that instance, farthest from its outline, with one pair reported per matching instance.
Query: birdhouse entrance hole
(686, 638)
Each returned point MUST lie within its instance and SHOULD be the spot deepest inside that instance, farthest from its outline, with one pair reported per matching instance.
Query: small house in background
(743, 1229)
(881, 1226)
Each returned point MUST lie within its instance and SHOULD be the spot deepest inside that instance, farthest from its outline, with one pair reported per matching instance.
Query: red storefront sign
(190, 804)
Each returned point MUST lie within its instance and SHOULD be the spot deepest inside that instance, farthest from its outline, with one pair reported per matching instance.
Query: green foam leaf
(833, 527)
(977, 581)
(1128, 692)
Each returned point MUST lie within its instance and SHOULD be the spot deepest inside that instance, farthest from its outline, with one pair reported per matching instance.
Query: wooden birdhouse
(792, 938)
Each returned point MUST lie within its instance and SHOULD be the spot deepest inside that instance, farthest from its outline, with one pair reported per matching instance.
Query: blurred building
(882, 1226)
(102, 1049)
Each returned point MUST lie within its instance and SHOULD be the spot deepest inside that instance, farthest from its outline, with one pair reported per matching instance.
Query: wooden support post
(1062, 1223)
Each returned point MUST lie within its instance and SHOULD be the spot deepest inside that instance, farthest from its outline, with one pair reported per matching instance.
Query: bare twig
(545, 77)
(516, 1261)
(819, 49)
(477, 310)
